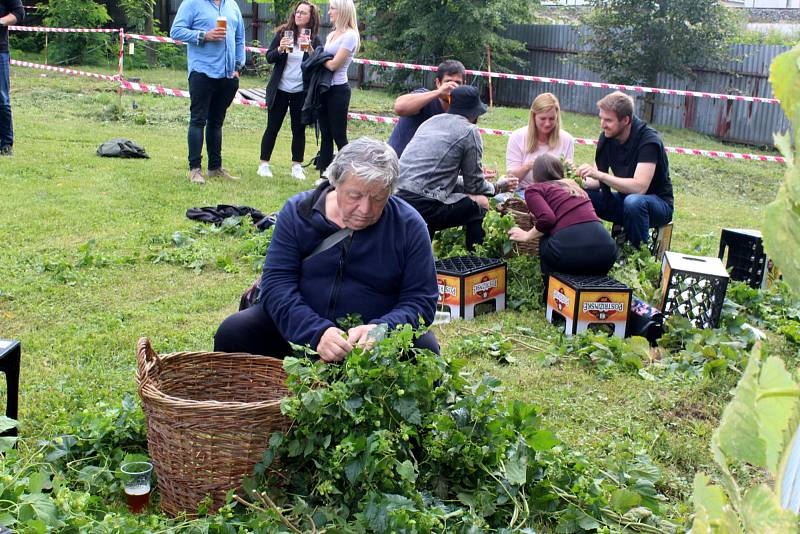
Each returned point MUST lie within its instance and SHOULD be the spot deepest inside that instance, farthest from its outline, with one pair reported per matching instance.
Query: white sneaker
(264, 170)
(297, 171)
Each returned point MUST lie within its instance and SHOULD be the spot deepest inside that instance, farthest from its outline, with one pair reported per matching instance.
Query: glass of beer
(305, 40)
(289, 34)
(136, 480)
(222, 22)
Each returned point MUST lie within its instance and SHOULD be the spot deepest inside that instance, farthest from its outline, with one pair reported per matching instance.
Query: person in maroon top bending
(573, 240)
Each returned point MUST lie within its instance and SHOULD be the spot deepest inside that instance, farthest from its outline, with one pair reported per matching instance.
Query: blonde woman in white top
(543, 135)
(342, 43)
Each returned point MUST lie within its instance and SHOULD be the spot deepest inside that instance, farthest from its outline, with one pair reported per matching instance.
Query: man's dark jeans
(636, 213)
(439, 216)
(253, 331)
(210, 98)
(6, 126)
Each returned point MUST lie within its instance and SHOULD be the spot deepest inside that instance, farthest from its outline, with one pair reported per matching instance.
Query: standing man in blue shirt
(11, 12)
(214, 33)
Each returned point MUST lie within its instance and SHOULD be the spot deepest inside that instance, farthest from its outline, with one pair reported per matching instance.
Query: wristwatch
(201, 37)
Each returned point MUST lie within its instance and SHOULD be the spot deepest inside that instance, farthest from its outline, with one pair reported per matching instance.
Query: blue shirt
(215, 59)
(406, 127)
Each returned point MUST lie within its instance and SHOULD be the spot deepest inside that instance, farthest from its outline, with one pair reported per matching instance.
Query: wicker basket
(209, 418)
(525, 220)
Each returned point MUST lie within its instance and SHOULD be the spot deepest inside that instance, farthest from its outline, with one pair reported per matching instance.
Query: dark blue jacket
(385, 272)
(6, 7)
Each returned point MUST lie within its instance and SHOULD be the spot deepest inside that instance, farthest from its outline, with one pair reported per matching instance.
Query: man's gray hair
(368, 159)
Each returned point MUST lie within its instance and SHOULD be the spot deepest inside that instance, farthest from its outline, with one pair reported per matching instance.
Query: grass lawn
(79, 283)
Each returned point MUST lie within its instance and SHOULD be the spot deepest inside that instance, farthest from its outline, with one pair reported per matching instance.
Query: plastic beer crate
(470, 286)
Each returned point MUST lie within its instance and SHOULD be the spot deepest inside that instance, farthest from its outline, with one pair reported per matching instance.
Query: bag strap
(330, 241)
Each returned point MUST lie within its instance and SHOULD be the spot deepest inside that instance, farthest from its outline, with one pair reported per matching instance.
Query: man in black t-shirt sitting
(635, 154)
(420, 105)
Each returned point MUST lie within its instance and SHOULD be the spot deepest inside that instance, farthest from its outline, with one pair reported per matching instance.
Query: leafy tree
(139, 18)
(280, 8)
(77, 48)
(430, 32)
(631, 41)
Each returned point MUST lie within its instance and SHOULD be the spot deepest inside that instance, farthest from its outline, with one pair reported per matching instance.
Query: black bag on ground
(250, 297)
(121, 148)
(215, 215)
(645, 321)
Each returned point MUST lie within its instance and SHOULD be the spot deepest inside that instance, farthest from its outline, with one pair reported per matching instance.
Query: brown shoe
(222, 172)
(196, 176)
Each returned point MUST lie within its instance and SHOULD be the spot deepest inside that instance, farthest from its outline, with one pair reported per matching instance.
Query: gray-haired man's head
(368, 159)
(364, 175)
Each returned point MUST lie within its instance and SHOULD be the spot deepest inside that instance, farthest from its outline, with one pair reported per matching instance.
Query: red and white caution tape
(164, 91)
(431, 68)
(153, 89)
(160, 39)
(160, 90)
(64, 70)
(152, 38)
(725, 155)
(62, 30)
(256, 49)
(372, 118)
(583, 141)
(578, 83)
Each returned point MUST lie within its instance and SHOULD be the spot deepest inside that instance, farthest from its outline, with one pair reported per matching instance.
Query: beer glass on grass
(136, 480)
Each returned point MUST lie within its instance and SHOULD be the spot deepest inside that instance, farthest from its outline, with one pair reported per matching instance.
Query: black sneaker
(6, 150)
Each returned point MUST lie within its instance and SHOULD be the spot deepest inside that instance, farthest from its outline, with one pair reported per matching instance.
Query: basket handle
(144, 355)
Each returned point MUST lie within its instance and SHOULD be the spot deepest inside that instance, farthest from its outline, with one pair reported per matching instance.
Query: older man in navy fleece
(347, 247)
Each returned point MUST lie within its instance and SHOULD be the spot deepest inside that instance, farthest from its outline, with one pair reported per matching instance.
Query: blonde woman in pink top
(543, 135)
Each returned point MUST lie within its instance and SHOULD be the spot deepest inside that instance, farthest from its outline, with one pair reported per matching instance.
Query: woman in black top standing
(285, 88)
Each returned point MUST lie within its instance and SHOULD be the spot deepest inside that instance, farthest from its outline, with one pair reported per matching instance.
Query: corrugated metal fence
(552, 50)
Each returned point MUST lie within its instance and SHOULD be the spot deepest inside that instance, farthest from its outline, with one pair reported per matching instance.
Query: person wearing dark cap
(441, 174)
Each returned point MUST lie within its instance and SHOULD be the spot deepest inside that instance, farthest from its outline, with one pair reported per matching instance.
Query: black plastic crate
(742, 250)
(470, 286)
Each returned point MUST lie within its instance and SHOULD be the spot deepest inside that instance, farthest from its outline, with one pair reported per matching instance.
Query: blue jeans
(6, 127)
(210, 98)
(636, 213)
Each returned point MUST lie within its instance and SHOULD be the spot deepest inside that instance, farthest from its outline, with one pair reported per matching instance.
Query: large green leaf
(754, 426)
(713, 512)
(6, 423)
(775, 411)
(762, 513)
(38, 506)
(517, 463)
(738, 433)
(782, 217)
(784, 75)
